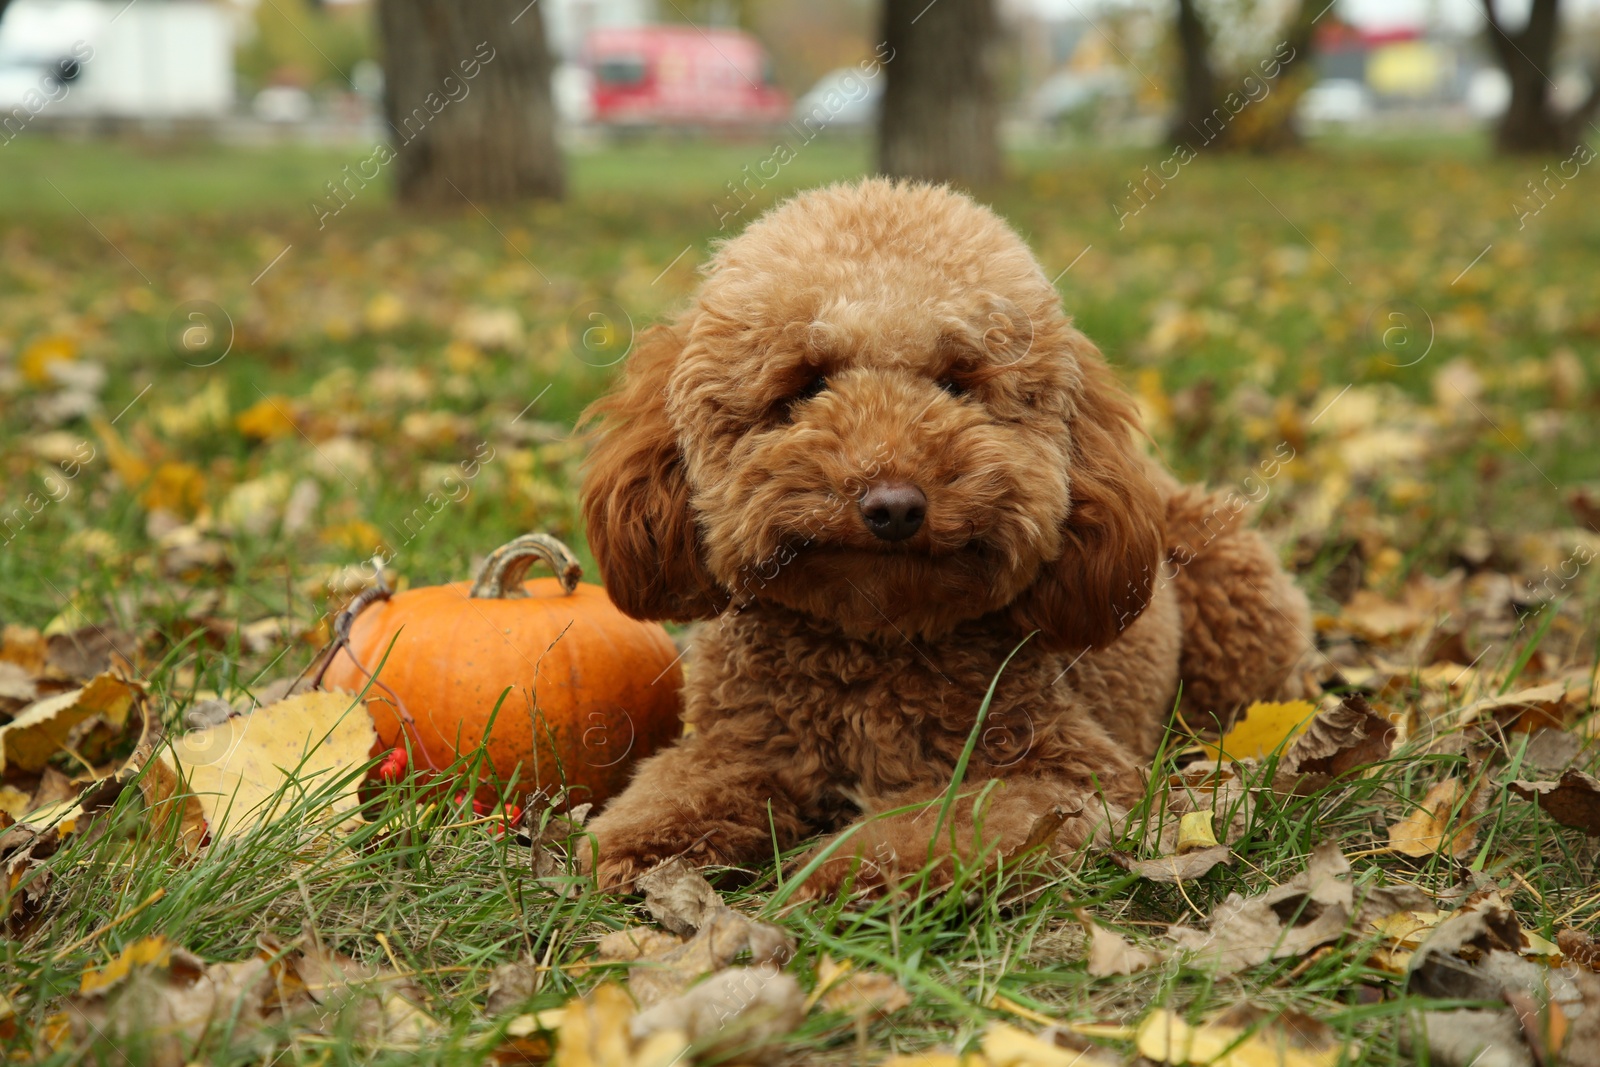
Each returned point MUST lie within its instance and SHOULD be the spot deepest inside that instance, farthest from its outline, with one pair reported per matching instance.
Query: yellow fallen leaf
(176, 487)
(35, 361)
(1006, 1046)
(155, 949)
(40, 730)
(128, 464)
(14, 802)
(1404, 927)
(1264, 727)
(1241, 1037)
(1538, 946)
(1427, 830)
(267, 419)
(357, 535)
(384, 312)
(535, 1022)
(1021, 1011)
(1164, 1037)
(594, 1033)
(1194, 831)
(239, 770)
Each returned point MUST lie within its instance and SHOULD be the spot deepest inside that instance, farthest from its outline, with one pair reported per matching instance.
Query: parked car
(662, 76)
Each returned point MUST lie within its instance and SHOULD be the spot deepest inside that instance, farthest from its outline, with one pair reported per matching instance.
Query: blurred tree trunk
(467, 96)
(1214, 114)
(939, 120)
(1531, 123)
(1197, 83)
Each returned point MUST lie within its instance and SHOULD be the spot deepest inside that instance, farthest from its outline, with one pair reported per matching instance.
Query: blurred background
(289, 290)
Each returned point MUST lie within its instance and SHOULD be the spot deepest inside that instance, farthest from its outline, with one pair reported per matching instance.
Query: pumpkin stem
(500, 577)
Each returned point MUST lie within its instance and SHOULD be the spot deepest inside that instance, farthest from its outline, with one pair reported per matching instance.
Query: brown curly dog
(877, 454)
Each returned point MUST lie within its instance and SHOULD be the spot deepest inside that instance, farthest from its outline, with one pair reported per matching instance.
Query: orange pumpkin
(587, 690)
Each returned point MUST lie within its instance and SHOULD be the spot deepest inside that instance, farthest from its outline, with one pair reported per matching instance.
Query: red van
(681, 76)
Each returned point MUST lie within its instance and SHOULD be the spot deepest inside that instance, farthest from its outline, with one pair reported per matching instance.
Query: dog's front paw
(622, 858)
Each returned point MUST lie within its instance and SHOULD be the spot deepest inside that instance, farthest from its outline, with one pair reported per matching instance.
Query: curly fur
(886, 331)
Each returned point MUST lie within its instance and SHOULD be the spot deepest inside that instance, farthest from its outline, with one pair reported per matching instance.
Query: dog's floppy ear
(1113, 536)
(636, 496)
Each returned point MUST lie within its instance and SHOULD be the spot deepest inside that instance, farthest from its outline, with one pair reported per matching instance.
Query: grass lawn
(1420, 333)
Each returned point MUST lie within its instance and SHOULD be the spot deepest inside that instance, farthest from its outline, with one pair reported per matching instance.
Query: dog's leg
(1246, 625)
(711, 802)
(991, 822)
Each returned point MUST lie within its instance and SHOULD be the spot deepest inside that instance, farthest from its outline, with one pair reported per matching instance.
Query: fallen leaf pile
(711, 981)
(162, 1000)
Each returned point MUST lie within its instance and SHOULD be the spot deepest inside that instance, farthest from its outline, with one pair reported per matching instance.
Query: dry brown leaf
(1550, 706)
(17, 689)
(247, 770)
(1551, 751)
(1476, 953)
(677, 896)
(1380, 621)
(739, 1010)
(1572, 800)
(79, 655)
(511, 985)
(23, 850)
(1042, 834)
(666, 964)
(1582, 1045)
(1110, 953)
(1340, 739)
(1175, 868)
(163, 1000)
(1579, 947)
(25, 647)
(1437, 826)
(1544, 1026)
(841, 987)
(1472, 1039)
(382, 1006)
(1313, 908)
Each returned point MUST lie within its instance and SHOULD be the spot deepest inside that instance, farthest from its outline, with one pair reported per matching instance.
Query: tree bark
(1270, 126)
(1197, 83)
(939, 119)
(468, 100)
(1530, 125)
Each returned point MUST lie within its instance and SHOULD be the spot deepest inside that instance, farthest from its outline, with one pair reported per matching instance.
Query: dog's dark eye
(817, 385)
(784, 408)
(954, 388)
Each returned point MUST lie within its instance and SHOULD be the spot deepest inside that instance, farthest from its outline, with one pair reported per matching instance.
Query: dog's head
(875, 413)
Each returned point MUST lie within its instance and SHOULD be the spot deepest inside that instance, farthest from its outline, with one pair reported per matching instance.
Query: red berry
(393, 767)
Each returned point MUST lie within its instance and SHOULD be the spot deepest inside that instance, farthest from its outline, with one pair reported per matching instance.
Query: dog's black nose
(893, 510)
